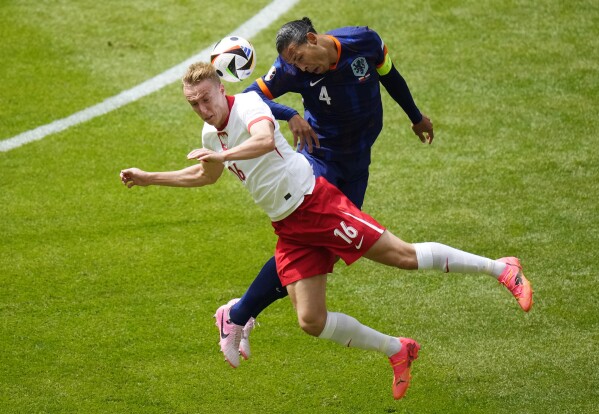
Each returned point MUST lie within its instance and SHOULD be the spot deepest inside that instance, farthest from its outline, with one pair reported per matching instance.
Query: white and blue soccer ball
(234, 58)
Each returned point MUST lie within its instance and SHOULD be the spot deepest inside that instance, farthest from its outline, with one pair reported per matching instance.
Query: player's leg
(309, 298)
(354, 178)
(392, 251)
(264, 290)
(240, 313)
(266, 287)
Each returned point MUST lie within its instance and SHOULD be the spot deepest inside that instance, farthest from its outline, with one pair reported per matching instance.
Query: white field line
(248, 30)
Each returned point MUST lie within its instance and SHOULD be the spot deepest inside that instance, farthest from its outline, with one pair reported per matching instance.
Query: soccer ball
(234, 58)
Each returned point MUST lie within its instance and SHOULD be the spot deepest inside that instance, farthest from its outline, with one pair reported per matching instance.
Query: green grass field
(107, 294)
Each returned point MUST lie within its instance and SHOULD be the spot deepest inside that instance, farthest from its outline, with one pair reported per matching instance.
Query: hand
(424, 130)
(134, 176)
(303, 132)
(206, 155)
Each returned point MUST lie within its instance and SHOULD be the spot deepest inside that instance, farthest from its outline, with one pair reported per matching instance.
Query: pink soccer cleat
(402, 363)
(513, 279)
(230, 334)
(244, 345)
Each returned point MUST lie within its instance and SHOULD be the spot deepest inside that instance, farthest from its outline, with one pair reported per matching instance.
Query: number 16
(348, 234)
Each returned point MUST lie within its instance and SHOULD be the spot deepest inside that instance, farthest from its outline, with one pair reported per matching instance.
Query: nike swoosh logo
(314, 83)
(222, 321)
(518, 279)
(359, 244)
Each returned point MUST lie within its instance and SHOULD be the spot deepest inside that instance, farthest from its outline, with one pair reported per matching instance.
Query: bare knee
(309, 299)
(312, 322)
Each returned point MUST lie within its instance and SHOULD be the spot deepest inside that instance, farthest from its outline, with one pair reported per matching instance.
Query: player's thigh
(355, 190)
(392, 251)
(354, 185)
(309, 298)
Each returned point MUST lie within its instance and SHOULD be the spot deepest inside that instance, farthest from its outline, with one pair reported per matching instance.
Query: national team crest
(271, 74)
(221, 135)
(359, 66)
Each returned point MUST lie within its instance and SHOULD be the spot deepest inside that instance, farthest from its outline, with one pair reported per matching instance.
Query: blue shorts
(350, 176)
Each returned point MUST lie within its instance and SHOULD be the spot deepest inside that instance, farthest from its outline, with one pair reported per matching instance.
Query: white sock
(347, 331)
(447, 259)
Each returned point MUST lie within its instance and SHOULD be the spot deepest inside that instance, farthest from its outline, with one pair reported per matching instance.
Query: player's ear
(311, 37)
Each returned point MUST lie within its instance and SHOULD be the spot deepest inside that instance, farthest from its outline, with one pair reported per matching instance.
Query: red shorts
(325, 226)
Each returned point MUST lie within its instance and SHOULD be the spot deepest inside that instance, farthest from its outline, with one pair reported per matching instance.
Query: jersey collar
(338, 44)
(230, 102)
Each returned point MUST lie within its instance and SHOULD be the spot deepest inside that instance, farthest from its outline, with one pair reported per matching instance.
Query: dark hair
(295, 32)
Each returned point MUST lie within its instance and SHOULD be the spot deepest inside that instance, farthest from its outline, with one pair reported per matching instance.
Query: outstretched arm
(397, 87)
(195, 176)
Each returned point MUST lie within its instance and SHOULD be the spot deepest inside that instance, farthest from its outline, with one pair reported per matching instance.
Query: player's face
(208, 100)
(310, 57)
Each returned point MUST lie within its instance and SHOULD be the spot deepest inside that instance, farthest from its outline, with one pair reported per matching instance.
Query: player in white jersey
(314, 221)
(277, 180)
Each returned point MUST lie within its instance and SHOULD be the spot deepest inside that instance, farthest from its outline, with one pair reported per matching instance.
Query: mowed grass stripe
(248, 30)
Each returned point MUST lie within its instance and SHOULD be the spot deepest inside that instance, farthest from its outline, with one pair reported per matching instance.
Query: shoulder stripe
(260, 118)
(264, 88)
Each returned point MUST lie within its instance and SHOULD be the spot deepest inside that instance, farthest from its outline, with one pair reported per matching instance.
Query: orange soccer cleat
(402, 363)
(513, 279)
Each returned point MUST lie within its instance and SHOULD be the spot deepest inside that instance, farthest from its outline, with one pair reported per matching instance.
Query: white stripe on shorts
(372, 226)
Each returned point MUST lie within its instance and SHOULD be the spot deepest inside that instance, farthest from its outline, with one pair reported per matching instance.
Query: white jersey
(277, 180)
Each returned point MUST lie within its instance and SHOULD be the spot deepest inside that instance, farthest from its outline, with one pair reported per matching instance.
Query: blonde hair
(199, 71)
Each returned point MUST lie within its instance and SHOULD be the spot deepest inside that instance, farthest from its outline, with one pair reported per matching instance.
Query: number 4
(324, 95)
